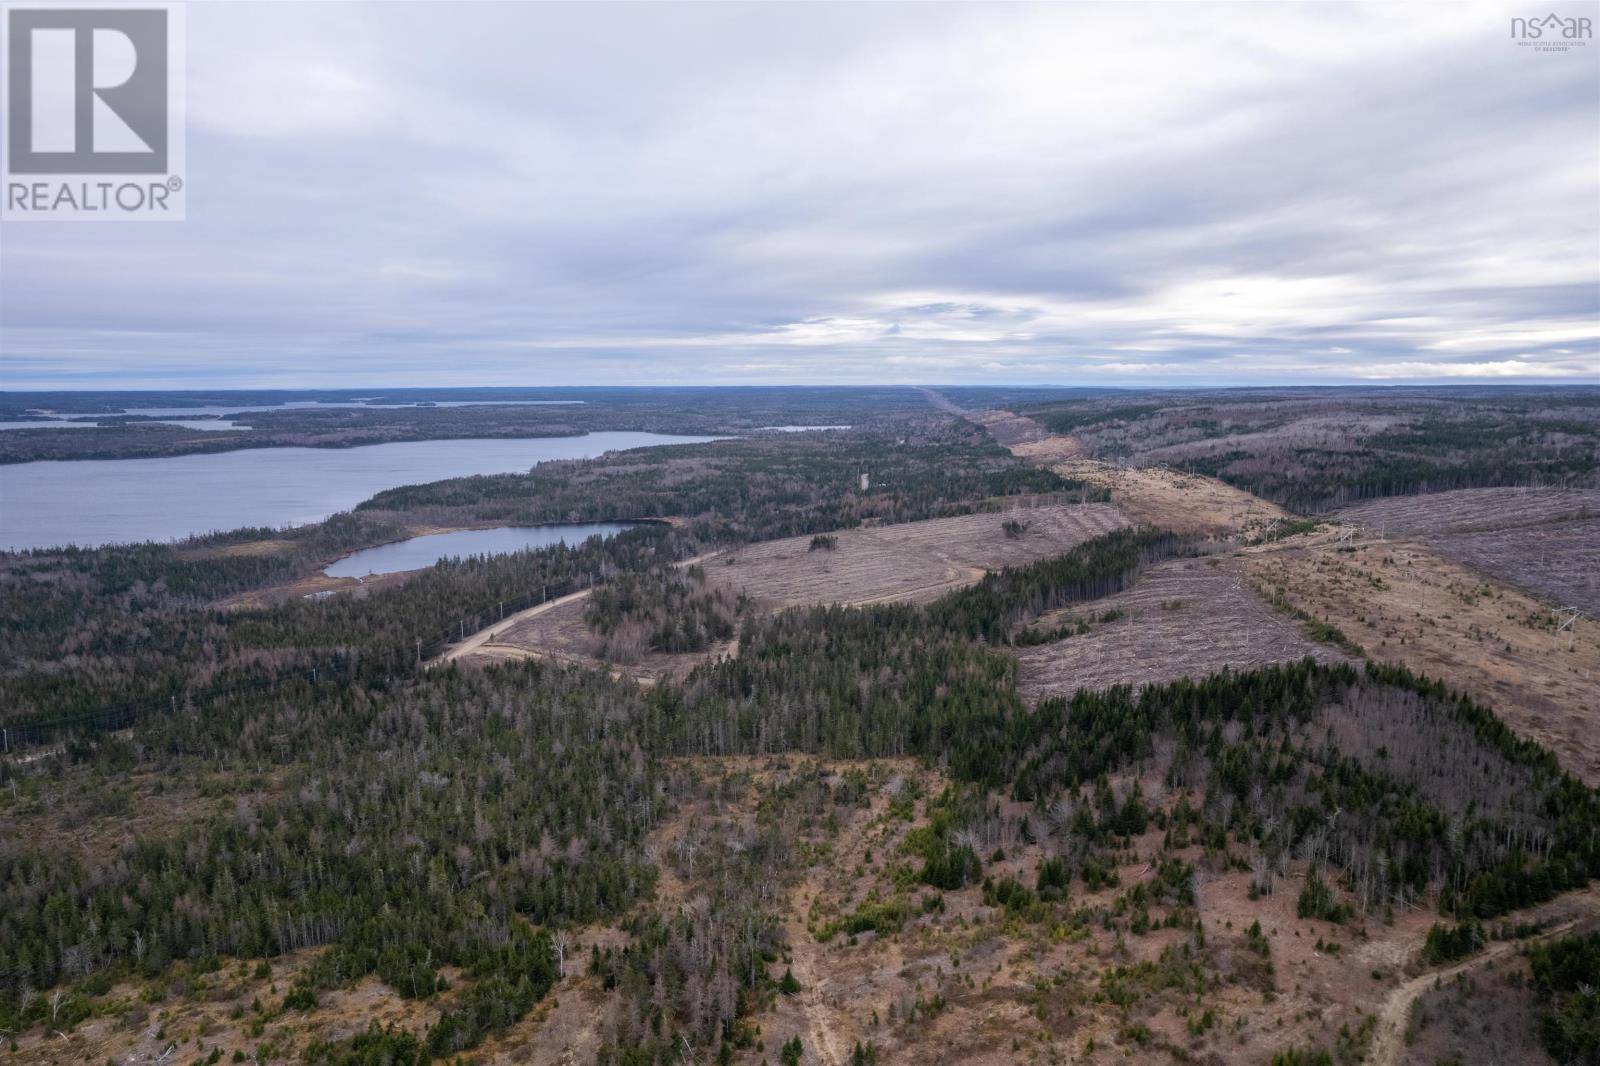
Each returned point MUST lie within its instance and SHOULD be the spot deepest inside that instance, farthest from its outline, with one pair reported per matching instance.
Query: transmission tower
(1567, 622)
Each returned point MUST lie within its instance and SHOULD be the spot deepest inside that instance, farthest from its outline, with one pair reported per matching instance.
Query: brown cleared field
(1442, 604)
(248, 549)
(1018, 432)
(561, 633)
(1172, 499)
(1543, 540)
(1158, 496)
(1154, 495)
(912, 561)
(1184, 618)
(1403, 603)
(1473, 510)
(915, 561)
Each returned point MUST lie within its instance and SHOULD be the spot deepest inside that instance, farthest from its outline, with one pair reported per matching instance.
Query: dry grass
(915, 561)
(1155, 495)
(1405, 604)
(1185, 618)
(1185, 503)
(1543, 540)
(181, 1020)
(246, 549)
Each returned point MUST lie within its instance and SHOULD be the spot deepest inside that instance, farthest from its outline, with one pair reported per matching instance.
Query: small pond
(796, 429)
(418, 552)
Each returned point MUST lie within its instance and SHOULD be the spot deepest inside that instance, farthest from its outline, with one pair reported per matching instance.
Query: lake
(49, 425)
(418, 552)
(209, 425)
(56, 421)
(321, 405)
(798, 429)
(111, 501)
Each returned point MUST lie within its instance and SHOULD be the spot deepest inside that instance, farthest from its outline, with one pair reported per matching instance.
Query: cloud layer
(1081, 194)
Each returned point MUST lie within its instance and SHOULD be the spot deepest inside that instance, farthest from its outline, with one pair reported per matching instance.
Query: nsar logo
(1552, 33)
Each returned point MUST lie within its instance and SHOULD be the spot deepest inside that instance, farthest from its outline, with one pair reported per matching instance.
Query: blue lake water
(49, 425)
(209, 425)
(798, 429)
(111, 501)
(56, 421)
(317, 405)
(419, 552)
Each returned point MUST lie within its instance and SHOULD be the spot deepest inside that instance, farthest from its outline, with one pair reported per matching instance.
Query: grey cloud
(508, 194)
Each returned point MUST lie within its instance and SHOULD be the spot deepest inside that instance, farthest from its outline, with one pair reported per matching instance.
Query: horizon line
(1523, 383)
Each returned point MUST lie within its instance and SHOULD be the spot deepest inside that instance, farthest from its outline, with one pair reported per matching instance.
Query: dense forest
(662, 609)
(1566, 980)
(450, 830)
(421, 826)
(408, 804)
(756, 489)
(82, 631)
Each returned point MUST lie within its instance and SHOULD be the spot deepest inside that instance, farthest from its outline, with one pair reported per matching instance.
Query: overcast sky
(483, 194)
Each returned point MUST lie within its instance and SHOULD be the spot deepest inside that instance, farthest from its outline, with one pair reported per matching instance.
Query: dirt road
(1389, 1040)
(486, 635)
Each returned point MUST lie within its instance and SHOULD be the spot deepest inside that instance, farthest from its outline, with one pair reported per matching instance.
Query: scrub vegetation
(861, 832)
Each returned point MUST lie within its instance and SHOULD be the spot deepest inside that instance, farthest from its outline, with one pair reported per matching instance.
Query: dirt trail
(1388, 1041)
(484, 636)
(821, 1038)
(495, 650)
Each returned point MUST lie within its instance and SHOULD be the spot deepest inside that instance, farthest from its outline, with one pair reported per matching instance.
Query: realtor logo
(93, 110)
